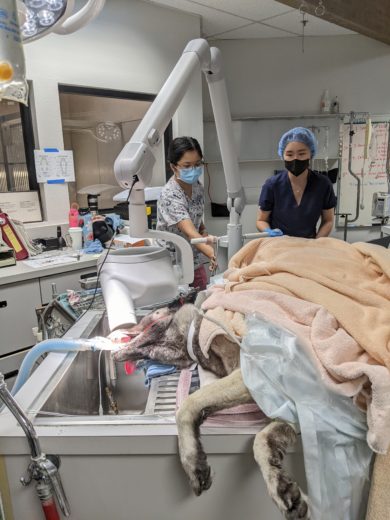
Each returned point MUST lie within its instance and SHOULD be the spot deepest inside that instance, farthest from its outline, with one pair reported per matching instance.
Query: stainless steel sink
(80, 391)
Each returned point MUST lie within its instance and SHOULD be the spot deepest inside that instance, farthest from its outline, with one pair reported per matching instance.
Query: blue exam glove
(274, 232)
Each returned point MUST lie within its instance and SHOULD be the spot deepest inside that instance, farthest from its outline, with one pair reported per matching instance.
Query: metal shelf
(245, 161)
(289, 117)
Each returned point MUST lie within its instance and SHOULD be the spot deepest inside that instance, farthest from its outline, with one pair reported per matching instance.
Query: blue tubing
(44, 347)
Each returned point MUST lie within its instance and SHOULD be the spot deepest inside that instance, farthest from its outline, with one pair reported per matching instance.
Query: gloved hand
(274, 232)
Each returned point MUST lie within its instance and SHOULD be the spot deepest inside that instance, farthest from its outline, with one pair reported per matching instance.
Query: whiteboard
(371, 171)
(54, 166)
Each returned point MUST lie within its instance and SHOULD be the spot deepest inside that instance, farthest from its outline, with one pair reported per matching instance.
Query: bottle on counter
(61, 239)
(335, 108)
(325, 102)
(74, 216)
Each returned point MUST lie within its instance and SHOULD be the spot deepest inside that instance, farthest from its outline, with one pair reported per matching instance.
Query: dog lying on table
(162, 336)
(347, 286)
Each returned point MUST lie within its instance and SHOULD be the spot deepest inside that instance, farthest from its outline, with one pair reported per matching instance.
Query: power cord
(135, 179)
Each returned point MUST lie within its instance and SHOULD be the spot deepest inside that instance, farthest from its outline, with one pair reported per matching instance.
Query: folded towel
(153, 369)
(93, 247)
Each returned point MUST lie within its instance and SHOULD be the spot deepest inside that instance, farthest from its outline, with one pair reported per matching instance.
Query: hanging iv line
(355, 118)
(304, 22)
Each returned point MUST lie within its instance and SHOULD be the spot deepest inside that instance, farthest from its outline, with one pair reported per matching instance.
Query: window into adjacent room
(96, 124)
(17, 169)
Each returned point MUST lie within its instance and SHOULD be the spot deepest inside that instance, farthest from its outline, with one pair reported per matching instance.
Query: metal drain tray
(162, 393)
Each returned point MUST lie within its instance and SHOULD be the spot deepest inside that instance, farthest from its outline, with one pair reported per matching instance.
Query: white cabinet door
(63, 282)
(17, 315)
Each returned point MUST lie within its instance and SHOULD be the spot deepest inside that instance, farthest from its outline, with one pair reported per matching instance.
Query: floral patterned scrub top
(174, 206)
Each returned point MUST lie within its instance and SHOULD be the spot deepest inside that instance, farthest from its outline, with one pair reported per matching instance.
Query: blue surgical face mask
(190, 175)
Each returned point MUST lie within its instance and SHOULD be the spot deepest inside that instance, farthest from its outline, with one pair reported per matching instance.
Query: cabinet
(18, 302)
(17, 315)
(63, 282)
(257, 138)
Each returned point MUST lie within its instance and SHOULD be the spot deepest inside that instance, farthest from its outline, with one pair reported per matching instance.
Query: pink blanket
(342, 364)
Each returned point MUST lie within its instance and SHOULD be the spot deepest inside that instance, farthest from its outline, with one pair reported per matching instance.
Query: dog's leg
(270, 448)
(224, 393)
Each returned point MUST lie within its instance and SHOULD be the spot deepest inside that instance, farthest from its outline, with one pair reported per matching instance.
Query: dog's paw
(295, 503)
(199, 474)
(203, 479)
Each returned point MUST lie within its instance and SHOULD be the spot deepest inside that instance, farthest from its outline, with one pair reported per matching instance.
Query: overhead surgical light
(23, 21)
(108, 132)
(40, 17)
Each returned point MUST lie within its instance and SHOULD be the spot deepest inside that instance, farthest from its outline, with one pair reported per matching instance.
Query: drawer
(17, 315)
(64, 281)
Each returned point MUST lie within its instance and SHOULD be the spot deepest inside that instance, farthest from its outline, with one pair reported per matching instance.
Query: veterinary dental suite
(187, 334)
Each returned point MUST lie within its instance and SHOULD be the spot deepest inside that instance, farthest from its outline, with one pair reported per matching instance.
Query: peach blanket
(352, 281)
(341, 363)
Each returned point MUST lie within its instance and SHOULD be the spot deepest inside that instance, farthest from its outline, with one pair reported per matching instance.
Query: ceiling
(245, 19)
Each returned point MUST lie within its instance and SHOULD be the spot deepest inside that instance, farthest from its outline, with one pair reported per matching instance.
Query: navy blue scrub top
(298, 221)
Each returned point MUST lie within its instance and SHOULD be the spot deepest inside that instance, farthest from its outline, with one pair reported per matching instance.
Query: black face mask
(297, 166)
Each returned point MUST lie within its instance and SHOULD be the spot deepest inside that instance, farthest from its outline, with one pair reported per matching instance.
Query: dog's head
(160, 337)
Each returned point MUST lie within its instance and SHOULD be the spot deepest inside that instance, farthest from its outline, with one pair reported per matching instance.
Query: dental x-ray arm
(133, 167)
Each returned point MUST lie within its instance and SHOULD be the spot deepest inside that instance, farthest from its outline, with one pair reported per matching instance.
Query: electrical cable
(135, 179)
(100, 384)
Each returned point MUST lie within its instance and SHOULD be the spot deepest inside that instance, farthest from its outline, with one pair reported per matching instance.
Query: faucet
(42, 468)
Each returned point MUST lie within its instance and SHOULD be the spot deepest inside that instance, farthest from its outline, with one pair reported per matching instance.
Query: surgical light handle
(245, 236)
(77, 20)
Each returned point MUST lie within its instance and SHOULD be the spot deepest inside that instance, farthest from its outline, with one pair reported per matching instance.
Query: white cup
(76, 237)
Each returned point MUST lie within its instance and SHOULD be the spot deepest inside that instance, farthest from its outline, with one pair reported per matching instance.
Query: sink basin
(79, 390)
(94, 382)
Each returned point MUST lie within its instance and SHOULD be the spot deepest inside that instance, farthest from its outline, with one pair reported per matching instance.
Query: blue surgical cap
(300, 135)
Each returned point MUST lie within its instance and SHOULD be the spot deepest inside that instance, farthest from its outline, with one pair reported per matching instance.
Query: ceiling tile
(213, 21)
(254, 10)
(232, 19)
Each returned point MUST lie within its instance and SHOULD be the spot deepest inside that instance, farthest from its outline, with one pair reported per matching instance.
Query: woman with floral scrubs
(181, 204)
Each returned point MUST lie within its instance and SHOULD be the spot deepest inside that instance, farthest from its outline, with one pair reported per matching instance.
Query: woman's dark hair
(180, 146)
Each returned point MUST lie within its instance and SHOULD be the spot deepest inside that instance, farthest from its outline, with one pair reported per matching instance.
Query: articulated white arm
(137, 157)
(223, 125)
(136, 160)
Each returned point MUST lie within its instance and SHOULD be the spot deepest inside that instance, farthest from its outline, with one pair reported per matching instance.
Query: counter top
(385, 229)
(22, 271)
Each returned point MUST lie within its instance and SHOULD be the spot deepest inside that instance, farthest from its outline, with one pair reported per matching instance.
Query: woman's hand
(213, 264)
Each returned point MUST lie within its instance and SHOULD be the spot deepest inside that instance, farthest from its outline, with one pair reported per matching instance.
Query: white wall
(131, 46)
(273, 77)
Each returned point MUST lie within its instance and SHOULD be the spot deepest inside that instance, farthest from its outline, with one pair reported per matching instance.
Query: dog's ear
(153, 334)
